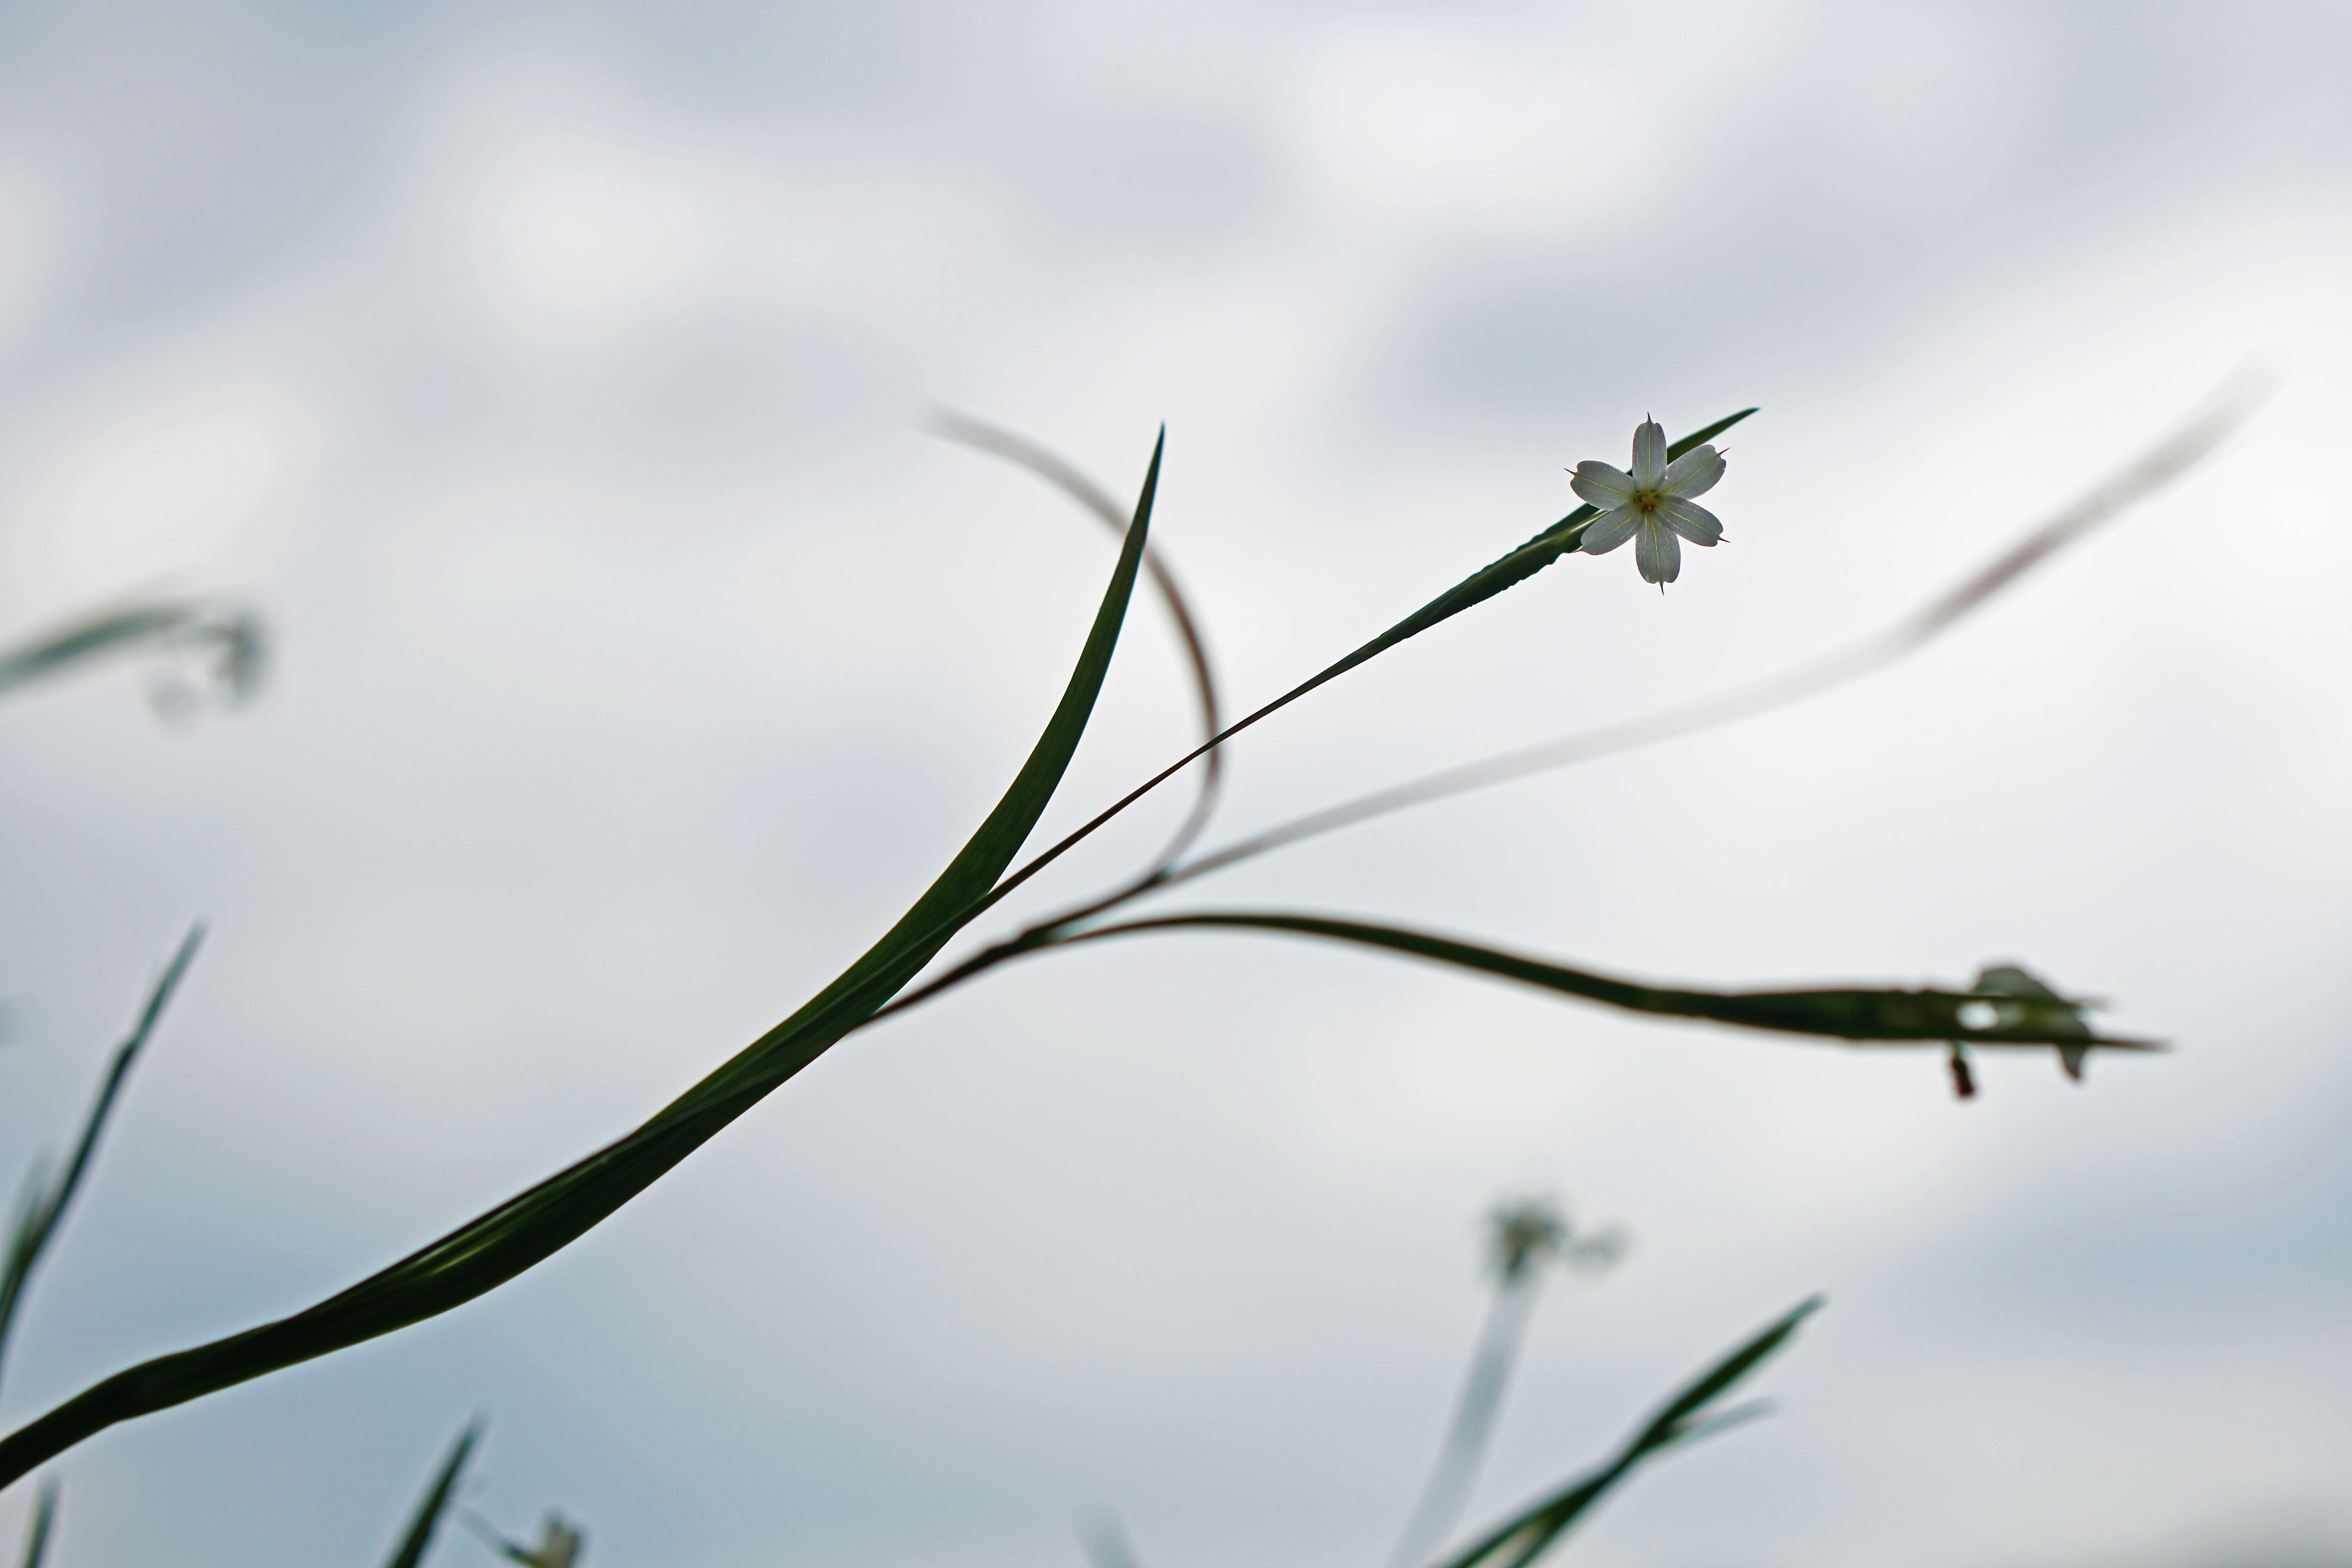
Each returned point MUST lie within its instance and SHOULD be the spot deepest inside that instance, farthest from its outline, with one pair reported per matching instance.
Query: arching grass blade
(496, 1246)
(1844, 1013)
(1067, 477)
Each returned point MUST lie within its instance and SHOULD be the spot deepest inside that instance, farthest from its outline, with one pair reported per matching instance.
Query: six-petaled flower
(1652, 504)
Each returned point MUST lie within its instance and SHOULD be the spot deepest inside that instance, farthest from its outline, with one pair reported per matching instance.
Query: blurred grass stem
(45, 1518)
(1472, 1430)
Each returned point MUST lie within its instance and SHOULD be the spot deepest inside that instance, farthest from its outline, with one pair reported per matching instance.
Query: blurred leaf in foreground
(224, 642)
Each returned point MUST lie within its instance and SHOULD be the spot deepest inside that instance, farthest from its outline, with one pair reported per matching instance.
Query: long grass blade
(1074, 483)
(1528, 1534)
(2170, 457)
(1846, 1013)
(45, 1203)
(495, 1246)
(232, 636)
(433, 1506)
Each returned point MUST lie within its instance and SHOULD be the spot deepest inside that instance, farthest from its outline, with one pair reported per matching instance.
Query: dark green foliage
(1927, 1016)
(496, 1245)
(521, 1232)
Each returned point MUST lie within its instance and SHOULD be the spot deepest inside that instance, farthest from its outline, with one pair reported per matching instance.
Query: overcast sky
(551, 379)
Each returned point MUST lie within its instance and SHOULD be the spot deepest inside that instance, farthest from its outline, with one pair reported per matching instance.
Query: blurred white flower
(1652, 504)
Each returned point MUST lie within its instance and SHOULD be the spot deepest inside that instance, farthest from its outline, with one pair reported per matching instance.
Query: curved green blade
(45, 1204)
(1845, 1013)
(495, 1246)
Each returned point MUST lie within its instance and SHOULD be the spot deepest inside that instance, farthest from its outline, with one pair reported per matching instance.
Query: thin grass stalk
(1859, 1015)
(1504, 573)
(45, 1206)
(2134, 483)
(1467, 1435)
(517, 1235)
(1074, 483)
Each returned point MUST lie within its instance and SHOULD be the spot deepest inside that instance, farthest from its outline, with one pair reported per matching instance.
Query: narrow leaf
(1849, 1014)
(1529, 1533)
(495, 1246)
(434, 1504)
(45, 1204)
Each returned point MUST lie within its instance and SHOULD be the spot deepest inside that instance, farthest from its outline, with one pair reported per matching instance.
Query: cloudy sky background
(549, 378)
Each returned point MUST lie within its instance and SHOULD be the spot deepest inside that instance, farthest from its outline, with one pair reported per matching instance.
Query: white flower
(1652, 504)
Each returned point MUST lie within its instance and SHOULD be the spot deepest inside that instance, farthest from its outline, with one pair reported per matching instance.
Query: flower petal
(1695, 472)
(1602, 484)
(1649, 455)
(1656, 552)
(1693, 522)
(1610, 530)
